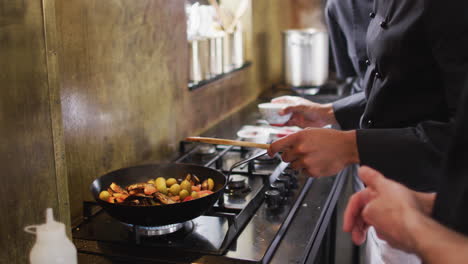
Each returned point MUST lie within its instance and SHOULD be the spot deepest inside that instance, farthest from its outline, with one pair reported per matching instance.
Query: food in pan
(159, 191)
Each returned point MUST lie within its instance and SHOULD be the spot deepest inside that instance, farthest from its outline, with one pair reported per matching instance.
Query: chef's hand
(388, 206)
(306, 113)
(318, 151)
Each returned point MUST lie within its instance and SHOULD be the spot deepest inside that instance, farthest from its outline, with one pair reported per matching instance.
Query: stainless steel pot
(305, 57)
(227, 53)
(237, 46)
(199, 60)
(216, 55)
(233, 49)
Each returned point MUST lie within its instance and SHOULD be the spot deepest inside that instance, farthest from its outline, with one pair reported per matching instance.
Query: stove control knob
(290, 171)
(273, 199)
(292, 179)
(280, 187)
(286, 180)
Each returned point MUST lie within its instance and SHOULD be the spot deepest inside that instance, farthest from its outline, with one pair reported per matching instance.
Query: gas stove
(268, 213)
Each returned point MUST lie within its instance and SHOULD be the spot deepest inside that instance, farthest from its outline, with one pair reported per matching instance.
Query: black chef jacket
(451, 204)
(347, 22)
(416, 55)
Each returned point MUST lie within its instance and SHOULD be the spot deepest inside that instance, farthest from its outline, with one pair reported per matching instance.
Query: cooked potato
(104, 195)
(195, 195)
(161, 185)
(175, 189)
(183, 194)
(186, 185)
(170, 182)
(204, 185)
(210, 184)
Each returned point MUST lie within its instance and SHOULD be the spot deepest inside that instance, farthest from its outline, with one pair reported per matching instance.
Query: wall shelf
(194, 86)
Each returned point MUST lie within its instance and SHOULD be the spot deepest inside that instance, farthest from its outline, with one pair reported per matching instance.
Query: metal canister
(305, 57)
(199, 60)
(216, 55)
(227, 52)
(237, 46)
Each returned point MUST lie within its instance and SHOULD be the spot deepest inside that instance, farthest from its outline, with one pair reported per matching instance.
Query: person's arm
(402, 218)
(317, 151)
(305, 113)
(387, 206)
(412, 156)
(448, 38)
(339, 47)
(434, 243)
(345, 112)
(348, 110)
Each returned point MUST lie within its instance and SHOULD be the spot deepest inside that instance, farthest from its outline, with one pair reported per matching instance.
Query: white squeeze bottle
(52, 244)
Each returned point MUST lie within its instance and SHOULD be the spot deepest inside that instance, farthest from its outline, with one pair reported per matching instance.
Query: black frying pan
(157, 215)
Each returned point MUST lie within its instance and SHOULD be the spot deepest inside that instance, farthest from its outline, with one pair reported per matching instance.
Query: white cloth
(378, 251)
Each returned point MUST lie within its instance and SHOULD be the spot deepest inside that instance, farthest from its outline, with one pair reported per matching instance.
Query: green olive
(175, 189)
(104, 195)
(195, 195)
(183, 194)
(210, 184)
(170, 182)
(186, 185)
(161, 185)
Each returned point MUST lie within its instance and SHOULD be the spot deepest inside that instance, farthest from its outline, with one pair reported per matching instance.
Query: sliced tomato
(204, 193)
(188, 198)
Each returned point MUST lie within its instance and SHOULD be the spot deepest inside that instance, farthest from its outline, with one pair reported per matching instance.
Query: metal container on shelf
(305, 57)
(199, 60)
(216, 55)
(227, 52)
(237, 46)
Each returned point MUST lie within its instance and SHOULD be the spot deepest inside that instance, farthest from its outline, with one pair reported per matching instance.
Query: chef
(347, 22)
(401, 123)
(411, 87)
(403, 217)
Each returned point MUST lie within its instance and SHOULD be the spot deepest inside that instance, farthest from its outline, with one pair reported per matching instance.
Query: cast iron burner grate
(206, 149)
(149, 231)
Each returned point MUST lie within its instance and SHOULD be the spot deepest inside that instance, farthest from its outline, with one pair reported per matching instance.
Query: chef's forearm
(329, 113)
(426, 200)
(435, 243)
(350, 146)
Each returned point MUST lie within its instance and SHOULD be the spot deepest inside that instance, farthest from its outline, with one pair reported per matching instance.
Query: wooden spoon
(225, 21)
(239, 13)
(227, 142)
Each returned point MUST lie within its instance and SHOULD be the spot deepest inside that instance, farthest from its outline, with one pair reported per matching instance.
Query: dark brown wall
(124, 88)
(31, 161)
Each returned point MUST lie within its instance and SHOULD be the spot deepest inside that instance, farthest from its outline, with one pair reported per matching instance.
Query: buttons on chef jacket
(383, 24)
(377, 75)
(367, 62)
(371, 14)
(370, 123)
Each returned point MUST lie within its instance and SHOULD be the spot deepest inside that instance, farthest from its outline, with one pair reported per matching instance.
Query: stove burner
(150, 231)
(236, 182)
(265, 159)
(206, 149)
(237, 185)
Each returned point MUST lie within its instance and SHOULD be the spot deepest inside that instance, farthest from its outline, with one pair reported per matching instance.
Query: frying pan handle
(237, 164)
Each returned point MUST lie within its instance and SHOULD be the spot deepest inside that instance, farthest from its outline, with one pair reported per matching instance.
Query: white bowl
(253, 134)
(270, 112)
